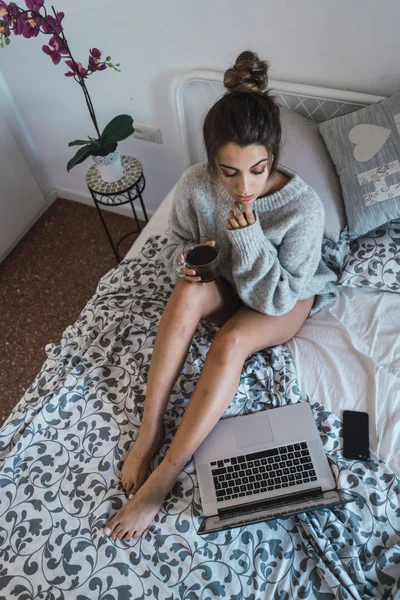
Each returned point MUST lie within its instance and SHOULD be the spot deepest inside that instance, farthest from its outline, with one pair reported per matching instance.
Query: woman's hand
(238, 219)
(190, 274)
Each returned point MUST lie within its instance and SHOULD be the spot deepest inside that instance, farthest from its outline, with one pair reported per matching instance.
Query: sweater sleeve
(181, 225)
(269, 279)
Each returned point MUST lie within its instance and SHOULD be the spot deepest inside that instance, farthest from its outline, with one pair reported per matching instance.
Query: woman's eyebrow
(228, 167)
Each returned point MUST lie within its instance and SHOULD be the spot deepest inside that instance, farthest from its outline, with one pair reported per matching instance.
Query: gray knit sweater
(272, 263)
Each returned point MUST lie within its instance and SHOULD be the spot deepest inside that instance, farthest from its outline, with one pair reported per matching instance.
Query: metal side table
(127, 189)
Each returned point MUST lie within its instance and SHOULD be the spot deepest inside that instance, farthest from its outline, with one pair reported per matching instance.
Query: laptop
(263, 466)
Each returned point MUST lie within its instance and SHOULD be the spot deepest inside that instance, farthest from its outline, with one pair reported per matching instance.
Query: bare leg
(187, 305)
(246, 332)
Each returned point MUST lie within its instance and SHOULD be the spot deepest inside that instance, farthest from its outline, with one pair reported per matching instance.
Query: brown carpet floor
(46, 281)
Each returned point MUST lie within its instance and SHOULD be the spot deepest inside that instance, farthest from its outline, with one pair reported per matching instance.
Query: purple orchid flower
(12, 9)
(56, 49)
(94, 60)
(28, 27)
(81, 70)
(3, 11)
(35, 5)
(53, 25)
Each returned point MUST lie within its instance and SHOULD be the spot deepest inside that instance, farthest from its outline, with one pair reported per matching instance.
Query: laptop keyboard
(258, 472)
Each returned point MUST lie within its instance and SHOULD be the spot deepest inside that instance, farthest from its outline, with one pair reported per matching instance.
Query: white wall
(346, 44)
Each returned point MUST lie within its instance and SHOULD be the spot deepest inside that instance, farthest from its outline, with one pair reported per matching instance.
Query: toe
(110, 526)
(113, 535)
(135, 488)
(129, 534)
(136, 534)
(120, 532)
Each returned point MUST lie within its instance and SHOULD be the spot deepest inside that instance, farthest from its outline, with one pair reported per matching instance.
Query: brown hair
(246, 114)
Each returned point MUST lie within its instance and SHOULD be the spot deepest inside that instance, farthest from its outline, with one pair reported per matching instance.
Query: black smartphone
(355, 435)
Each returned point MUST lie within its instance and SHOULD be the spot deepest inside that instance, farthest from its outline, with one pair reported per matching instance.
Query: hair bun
(249, 74)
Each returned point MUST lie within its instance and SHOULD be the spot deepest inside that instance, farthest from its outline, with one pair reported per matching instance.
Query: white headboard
(196, 91)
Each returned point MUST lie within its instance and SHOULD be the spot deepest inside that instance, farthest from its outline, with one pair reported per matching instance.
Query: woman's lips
(244, 198)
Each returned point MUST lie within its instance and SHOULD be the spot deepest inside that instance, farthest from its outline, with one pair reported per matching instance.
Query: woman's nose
(243, 187)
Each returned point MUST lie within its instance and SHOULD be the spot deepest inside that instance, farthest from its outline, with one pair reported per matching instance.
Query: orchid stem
(80, 79)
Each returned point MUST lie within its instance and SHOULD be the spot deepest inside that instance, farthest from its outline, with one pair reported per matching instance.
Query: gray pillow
(303, 151)
(365, 148)
(374, 260)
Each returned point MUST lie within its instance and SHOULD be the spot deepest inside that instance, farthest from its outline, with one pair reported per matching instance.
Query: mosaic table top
(132, 172)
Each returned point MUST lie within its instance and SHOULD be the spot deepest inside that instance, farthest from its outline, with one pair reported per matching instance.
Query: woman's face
(244, 172)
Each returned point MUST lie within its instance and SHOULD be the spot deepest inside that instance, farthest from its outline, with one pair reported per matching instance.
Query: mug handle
(182, 266)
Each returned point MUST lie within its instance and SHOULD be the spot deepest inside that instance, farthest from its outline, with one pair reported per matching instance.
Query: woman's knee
(229, 342)
(191, 296)
(214, 301)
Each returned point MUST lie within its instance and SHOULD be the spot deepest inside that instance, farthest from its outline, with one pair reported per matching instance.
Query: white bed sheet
(156, 225)
(347, 356)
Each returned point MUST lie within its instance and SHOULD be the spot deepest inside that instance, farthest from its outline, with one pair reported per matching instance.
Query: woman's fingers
(187, 272)
(238, 219)
(249, 214)
(239, 216)
(184, 272)
(189, 275)
(232, 220)
(193, 279)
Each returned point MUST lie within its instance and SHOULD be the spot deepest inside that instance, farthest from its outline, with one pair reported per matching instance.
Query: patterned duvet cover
(63, 446)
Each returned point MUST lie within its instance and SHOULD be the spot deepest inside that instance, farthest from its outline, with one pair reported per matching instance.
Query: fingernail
(130, 496)
(107, 531)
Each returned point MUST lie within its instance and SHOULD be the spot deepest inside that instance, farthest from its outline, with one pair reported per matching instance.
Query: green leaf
(82, 154)
(118, 129)
(79, 143)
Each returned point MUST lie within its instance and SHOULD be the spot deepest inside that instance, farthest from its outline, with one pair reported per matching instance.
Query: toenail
(107, 531)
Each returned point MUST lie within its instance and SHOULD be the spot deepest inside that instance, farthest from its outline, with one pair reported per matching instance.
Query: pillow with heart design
(373, 260)
(365, 148)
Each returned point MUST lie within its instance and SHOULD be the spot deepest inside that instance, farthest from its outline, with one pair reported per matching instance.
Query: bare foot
(136, 467)
(133, 518)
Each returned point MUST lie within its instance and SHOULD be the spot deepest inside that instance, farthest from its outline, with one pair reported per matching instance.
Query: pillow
(334, 253)
(365, 147)
(374, 260)
(304, 152)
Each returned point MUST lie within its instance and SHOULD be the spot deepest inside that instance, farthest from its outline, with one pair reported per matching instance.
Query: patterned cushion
(334, 253)
(365, 147)
(374, 260)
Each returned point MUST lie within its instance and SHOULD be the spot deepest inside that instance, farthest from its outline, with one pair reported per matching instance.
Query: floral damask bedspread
(62, 449)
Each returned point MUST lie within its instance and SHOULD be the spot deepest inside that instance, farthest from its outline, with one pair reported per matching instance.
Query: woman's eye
(253, 173)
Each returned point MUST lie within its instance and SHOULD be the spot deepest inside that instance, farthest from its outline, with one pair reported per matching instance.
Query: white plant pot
(110, 166)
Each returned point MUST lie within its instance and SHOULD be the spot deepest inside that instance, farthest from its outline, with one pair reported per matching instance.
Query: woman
(268, 224)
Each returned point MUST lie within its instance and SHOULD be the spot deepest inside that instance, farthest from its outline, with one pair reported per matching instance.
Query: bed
(63, 446)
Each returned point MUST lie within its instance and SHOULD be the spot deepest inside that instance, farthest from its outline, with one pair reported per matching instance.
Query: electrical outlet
(148, 133)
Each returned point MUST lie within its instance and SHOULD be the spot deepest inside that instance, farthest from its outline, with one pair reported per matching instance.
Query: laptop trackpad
(251, 434)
